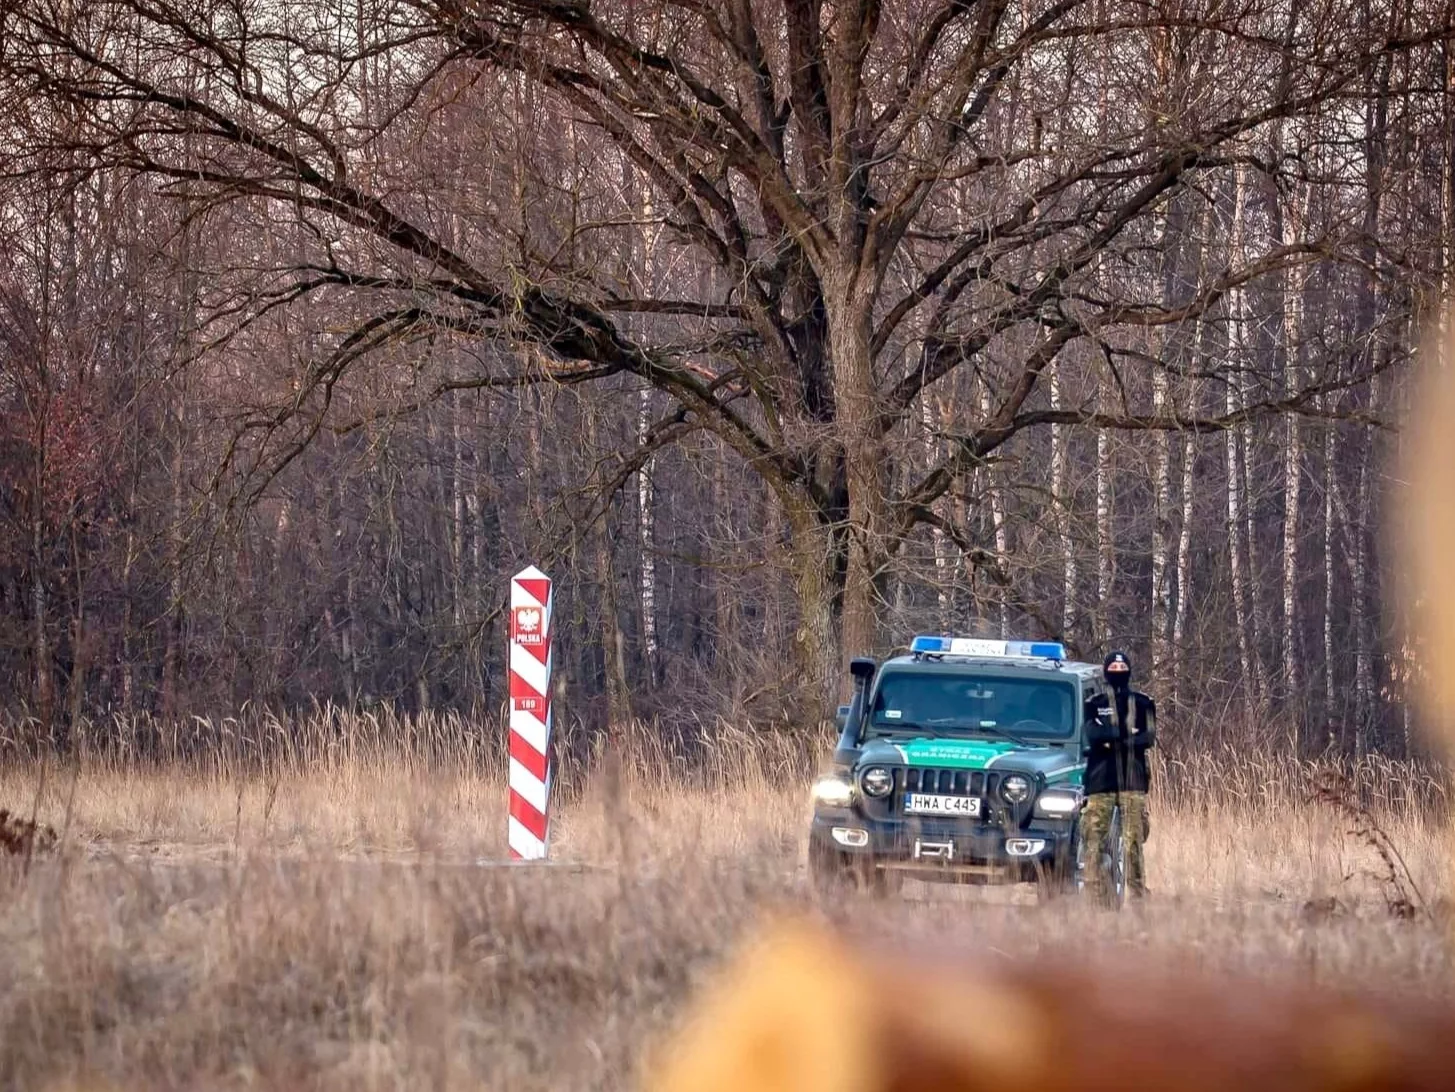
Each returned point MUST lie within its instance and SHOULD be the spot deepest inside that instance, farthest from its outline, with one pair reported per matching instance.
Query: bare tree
(914, 273)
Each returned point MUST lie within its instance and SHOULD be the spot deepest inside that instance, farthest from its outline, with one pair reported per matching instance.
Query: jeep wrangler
(961, 761)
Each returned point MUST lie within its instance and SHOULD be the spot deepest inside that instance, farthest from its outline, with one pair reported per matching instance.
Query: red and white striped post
(530, 714)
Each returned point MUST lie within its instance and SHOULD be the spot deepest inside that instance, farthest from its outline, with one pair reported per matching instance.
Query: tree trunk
(1257, 611)
(1161, 533)
(1235, 552)
(173, 619)
(1237, 345)
(1374, 340)
(1257, 626)
(646, 521)
(1184, 564)
(1105, 544)
(1062, 500)
(457, 520)
(485, 527)
(1002, 538)
(646, 542)
(80, 643)
(1292, 468)
(817, 657)
(725, 614)
(1330, 485)
(939, 541)
(1359, 619)
(1446, 250)
(865, 459)
(1182, 610)
(613, 643)
(40, 609)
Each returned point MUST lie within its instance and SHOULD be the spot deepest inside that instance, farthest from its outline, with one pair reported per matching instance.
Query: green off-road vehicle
(959, 762)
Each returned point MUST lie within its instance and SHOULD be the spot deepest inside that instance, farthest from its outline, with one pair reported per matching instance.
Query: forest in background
(773, 331)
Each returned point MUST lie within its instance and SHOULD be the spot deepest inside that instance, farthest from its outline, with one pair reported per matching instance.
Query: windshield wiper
(996, 730)
(900, 728)
(1007, 735)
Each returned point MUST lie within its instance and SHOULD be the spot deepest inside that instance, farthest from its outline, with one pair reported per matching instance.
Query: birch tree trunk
(1257, 610)
(646, 519)
(1330, 486)
(173, 618)
(997, 519)
(1105, 546)
(1447, 188)
(1235, 480)
(646, 540)
(1374, 338)
(1293, 288)
(1235, 548)
(1161, 532)
(1184, 560)
(1196, 362)
(1359, 619)
(1063, 500)
(1172, 232)
(939, 542)
(457, 519)
(39, 605)
(80, 644)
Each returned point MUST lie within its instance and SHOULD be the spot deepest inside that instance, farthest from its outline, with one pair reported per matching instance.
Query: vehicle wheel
(829, 872)
(884, 883)
(1060, 879)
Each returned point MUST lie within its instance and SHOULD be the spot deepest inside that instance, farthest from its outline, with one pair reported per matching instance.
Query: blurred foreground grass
(329, 926)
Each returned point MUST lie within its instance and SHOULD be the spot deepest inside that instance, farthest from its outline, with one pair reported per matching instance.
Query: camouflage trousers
(1096, 824)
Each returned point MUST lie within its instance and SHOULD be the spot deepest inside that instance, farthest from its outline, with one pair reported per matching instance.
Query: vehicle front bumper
(947, 848)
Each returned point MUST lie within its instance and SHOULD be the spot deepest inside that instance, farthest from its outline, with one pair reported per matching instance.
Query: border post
(530, 715)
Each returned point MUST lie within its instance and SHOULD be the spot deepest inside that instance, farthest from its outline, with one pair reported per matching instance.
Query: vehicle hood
(1054, 763)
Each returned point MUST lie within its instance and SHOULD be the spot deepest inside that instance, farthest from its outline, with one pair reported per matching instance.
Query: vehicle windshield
(973, 705)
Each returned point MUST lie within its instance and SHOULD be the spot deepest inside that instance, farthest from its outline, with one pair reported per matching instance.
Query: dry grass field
(344, 922)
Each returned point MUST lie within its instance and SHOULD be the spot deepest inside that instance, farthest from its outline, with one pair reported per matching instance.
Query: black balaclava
(1119, 681)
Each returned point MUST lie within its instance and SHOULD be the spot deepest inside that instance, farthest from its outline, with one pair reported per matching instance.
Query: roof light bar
(975, 646)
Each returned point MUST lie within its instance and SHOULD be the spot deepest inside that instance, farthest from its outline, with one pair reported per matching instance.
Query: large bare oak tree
(874, 197)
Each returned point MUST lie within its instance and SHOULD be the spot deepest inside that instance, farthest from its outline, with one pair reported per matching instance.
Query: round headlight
(876, 781)
(1015, 789)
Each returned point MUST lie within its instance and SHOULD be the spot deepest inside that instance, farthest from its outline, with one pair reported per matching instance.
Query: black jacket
(1118, 735)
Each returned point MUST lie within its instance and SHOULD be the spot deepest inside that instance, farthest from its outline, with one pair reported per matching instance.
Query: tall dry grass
(708, 752)
(319, 916)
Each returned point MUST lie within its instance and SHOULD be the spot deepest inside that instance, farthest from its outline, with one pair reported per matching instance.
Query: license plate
(920, 803)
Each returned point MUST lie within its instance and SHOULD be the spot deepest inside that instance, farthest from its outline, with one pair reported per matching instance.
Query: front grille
(951, 782)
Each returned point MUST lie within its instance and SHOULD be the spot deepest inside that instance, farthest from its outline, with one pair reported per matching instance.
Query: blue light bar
(975, 646)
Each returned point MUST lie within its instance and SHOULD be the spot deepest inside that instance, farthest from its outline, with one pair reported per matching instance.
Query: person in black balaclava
(1121, 726)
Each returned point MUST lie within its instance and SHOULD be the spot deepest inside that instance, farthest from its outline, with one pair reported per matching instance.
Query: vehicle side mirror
(842, 717)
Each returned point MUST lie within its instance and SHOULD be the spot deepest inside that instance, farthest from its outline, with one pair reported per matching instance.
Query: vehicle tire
(884, 883)
(1059, 879)
(830, 873)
